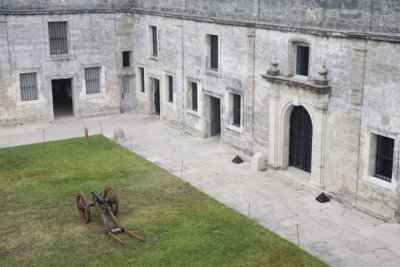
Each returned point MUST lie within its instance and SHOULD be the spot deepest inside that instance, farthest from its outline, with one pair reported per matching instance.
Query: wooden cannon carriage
(107, 206)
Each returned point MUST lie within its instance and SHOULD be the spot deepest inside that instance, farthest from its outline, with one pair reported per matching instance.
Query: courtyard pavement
(335, 233)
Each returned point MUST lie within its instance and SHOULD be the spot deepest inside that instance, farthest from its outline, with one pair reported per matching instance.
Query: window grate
(28, 86)
(142, 85)
(236, 109)
(58, 38)
(126, 59)
(194, 96)
(214, 51)
(154, 41)
(170, 89)
(384, 158)
(126, 83)
(92, 76)
(302, 60)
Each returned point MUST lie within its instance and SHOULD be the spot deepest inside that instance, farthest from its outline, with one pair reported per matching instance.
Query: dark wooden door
(300, 147)
(215, 116)
(157, 96)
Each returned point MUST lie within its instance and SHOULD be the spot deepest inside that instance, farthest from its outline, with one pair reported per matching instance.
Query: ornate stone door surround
(284, 93)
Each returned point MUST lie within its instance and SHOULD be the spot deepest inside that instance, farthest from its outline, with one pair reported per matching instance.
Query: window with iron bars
(58, 38)
(214, 52)
(170, 89)
(28, 83)
(92, 77)
(194, 96)
(126, 83)
(302, 59)
(236, 109)
(126, 59)
(154, 40)
(384, 158)
(142, 84)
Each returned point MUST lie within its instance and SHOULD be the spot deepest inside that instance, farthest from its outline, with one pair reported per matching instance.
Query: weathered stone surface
(258, 162)
(358, 41)
(354, 15)
(119, 135)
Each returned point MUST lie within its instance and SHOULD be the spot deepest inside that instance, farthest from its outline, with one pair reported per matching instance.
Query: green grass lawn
(40, 226)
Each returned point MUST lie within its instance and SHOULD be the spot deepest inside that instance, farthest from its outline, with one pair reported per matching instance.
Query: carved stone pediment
(304, 84)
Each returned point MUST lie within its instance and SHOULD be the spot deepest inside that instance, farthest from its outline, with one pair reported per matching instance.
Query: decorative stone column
(273, 103)
(317, 163)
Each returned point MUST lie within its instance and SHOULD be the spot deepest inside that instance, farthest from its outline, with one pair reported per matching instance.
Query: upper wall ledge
(305, 84)
(253, 22)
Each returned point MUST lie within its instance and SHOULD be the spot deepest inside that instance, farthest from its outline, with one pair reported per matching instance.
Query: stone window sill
(213, 72)
(31, 102)
(154, 58)
(381, 183)
(234, 128)
(61, 57)
(100, 94)
(193, 113)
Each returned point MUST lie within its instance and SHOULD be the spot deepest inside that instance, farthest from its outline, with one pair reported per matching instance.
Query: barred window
(170, 89)
(214, 51)
(384, 158)
(142, 85)
(92, 76)
(236, 109)
(28, 82)
(58, 38)
(153, 44)
(302, 58)
(194, 96)
(126, 58)
(126, 83)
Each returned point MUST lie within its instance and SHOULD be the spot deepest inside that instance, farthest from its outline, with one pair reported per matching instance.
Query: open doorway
(62, 98)
(215, 114)
(156, 96)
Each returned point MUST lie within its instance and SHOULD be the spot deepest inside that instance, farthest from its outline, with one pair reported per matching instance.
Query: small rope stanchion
(298, 236)
(43, 135)
(182, 171)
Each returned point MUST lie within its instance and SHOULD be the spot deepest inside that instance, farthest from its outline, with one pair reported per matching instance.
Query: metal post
(101, 129)
(249, 209)
(131, 143)
(298, 236)
(44, 138)
(181, 171)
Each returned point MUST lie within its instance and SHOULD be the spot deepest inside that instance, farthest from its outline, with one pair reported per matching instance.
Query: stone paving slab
(336, 233)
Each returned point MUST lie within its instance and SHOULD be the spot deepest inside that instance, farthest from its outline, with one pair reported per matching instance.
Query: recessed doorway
(62, 98)
(300, 145)
(215, 113)
(156, 97)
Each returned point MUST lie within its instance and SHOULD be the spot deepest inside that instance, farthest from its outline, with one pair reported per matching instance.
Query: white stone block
(258, 162)
(119, 135)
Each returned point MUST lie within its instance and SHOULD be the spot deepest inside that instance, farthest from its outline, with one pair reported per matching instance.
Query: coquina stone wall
(357, 40)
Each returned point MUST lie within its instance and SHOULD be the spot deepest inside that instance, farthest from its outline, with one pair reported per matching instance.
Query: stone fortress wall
(358, 40)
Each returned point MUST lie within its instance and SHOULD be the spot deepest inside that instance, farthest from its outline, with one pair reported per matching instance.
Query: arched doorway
(300, 139)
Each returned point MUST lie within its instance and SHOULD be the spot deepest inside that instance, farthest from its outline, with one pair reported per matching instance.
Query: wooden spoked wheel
(111, 197)
(83, 207)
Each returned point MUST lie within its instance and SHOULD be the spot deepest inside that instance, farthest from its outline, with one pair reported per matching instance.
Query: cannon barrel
(98, 198)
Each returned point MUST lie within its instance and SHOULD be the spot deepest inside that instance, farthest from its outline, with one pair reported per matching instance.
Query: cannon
(107, 206)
